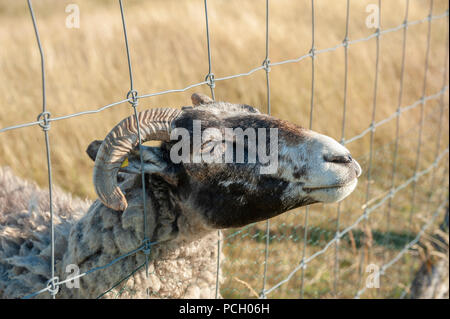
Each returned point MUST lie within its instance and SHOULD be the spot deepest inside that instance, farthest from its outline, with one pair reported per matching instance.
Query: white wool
(91, 236)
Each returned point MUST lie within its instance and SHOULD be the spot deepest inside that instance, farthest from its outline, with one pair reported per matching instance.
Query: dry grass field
(87, 68)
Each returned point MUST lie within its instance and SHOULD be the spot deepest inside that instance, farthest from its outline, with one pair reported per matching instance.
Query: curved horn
(155, 124)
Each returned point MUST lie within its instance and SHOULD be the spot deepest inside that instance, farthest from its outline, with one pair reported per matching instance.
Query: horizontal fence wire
(72, 278)
(367, 212)
(369, 208)
(271, 64)
(409, 245)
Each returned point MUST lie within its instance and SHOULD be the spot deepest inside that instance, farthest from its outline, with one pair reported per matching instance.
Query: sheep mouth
(326, 187)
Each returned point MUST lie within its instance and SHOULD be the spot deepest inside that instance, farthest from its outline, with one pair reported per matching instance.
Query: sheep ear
(199, 99)
(153, 163)
(92, 149)
(151, 157)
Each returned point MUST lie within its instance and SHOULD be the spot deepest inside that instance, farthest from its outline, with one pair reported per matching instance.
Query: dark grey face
(225, 194)
(236, 194)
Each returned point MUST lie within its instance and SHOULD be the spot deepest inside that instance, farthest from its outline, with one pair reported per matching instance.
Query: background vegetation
(87, 68)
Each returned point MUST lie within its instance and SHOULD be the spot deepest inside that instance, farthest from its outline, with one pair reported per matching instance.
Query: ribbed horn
(155, 124)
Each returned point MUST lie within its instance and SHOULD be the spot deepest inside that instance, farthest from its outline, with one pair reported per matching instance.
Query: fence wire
(344, 112)
(397, 128)
(45, 125)
(372, 136)
(44, 120)
(266, 65)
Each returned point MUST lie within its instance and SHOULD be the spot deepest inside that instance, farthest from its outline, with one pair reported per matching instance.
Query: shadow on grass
(319, 236)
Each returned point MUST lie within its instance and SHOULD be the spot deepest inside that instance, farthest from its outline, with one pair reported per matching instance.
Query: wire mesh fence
(398, 204)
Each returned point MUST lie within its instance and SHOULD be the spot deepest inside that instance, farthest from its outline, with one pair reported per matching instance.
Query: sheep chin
(333, 193)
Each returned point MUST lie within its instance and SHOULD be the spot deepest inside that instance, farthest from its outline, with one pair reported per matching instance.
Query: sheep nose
(344, 159)
(338, 159)
(357, 168)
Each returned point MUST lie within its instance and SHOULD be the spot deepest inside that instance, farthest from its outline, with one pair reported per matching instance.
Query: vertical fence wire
(438, 146)
(305, 235)
(45, 125)
(397, 130)
(422, 111)
(210, 76)
(266, 64)
(441, 116)
(422, 118)
(441, 106)
(210, 82)
(344, 112)
(365, 223)
(132, 94)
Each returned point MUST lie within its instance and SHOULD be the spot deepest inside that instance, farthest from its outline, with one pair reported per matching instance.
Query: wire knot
(302, 264)
(132, 97)
(378, 32)
(147, 244)
(266, 65)
(366, 215)
(423, 99)
(405, 24)
(436, 162)
(43, 119)
(210, 80)
(345, 42)
(391, 193)
(53, 286)
(312, 52)
(262, 295)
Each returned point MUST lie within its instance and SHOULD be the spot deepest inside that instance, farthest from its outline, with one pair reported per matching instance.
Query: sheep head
(228, 162)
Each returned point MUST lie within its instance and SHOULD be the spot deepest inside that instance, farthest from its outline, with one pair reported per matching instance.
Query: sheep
(189, 198)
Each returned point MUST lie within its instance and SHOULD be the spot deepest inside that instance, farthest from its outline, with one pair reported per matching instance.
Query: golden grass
(87, 68)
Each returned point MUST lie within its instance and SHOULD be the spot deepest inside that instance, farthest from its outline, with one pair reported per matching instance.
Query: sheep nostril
(339, 159)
